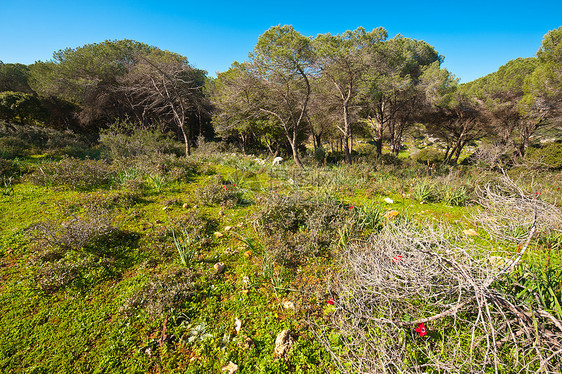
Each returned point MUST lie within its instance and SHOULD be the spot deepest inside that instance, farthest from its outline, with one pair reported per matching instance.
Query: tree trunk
(378, 135)
(296, 155)
(186, 140)
(346, 150)
(318, 139)
(346, 134)
(525, 140)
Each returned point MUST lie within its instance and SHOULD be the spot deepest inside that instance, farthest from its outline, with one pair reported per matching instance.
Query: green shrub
(320, 155)
(9, 168)
(549, 156)
(73, 173)
(51, 276)
(77, 232)
(425, 191)
(12, 146)
(126, 139)
(163, 292)
(454, 195)
(536, 286)
(429, 156)
(216, 193)
(298, 226)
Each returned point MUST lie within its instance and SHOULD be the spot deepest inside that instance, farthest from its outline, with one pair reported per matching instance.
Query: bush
(298, 226)
(425, 190)
(126, 139)
(320, 155)
(429, 156)
(19, 140)
(163, 292)
(9, 168)
(216, 193)
(77, 232)
(455, 195)
(51, 276)
(73, 173)
(11, 147)
(549, 156)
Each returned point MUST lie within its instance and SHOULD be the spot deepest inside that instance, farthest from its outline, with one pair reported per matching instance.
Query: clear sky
(476, 37)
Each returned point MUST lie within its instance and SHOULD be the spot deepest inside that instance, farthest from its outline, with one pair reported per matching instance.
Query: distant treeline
(292, 88)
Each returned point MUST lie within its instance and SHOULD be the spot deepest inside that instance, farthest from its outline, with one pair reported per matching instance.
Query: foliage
(80, 230)
(14, 77)
(548, 156)
(429, 156)
(218, 193)
(299, 226)
(186, 244)
(163, 292)
(127, 139)
(21, 106)
(424, 190)
(72, 173)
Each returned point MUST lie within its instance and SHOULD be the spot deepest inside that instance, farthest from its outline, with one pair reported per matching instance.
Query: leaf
(557, 307)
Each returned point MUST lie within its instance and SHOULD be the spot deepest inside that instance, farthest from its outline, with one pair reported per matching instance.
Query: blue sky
(475, 37)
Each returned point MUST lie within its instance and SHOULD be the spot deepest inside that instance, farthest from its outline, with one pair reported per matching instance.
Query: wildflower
(421, 330)
(234, 184)
(397, 258)
(350, 207)
(331, 301)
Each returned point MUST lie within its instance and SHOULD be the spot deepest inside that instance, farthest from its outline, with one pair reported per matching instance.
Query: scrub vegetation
(415, 225)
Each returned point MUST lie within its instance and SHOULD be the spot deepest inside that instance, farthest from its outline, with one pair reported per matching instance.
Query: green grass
(82, 325)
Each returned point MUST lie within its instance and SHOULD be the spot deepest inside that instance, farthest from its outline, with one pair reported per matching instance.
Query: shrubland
(110, 262)
(409, 223)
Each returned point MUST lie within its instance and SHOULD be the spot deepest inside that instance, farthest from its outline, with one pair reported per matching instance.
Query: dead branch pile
(419, 300)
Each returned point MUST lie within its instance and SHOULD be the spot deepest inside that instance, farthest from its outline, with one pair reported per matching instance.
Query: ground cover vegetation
(415, 225)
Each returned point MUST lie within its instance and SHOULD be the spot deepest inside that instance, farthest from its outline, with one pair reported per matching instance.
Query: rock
(231, 367)
(237, 325)
(185, 205)
(219, 267)
(218, 234)
(228, 228)
(158, 222)
(288, 305)
(388, 200)
(283, 344)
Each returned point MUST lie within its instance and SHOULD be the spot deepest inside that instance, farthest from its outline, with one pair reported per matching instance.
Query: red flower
(350, 207)
(397, 258)
(331, 301)
(234, 184)
(421, 330)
